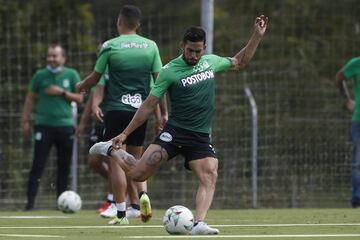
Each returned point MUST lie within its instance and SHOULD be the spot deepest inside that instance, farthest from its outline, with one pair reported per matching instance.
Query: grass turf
(233, 224)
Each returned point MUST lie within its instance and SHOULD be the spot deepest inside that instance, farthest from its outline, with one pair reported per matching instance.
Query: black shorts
(96, 134)
(192, 145)
(117, 121)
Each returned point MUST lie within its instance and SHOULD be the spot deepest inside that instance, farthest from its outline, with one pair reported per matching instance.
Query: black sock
(135, 206)
(141, 193)
(108, 152)
(196, 222)
(121, 214)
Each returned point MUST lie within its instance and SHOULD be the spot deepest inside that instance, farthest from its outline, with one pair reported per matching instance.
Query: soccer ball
(178, 220)
(69, 202)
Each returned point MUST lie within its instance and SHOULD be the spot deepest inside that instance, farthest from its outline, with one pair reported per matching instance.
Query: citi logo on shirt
(198, 77)
(134, 101)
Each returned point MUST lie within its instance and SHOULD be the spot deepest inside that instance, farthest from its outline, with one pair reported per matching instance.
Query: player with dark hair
(53, 90)
(131, 61)
(190, 83)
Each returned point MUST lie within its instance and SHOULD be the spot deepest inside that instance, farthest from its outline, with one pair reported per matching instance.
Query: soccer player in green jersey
(53, 89)
(190, 83)
(131, 60)
(351, 70)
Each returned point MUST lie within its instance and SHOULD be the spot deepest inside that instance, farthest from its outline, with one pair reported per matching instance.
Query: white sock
(121, 207)
(110, 197)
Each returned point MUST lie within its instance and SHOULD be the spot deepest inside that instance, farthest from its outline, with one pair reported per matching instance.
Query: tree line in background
(303, 129)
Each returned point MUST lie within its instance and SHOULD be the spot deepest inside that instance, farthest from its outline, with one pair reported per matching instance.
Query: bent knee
(94, 161)
(138, 176)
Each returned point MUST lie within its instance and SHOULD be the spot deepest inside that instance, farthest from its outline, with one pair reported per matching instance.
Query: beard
(191, 63)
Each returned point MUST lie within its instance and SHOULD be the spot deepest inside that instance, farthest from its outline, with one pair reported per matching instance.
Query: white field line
(32, 217)
(248, 236)
(160, 226)
(30, 236)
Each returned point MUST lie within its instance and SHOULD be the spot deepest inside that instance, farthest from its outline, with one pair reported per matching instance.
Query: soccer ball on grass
(69, 202)
(178, 220)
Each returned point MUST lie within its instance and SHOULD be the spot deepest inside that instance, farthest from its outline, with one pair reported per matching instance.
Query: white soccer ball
(178, 220)
(69, 202)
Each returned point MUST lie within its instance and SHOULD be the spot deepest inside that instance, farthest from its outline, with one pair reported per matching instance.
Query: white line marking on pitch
(30, 236)
(31, 217)
(221, 226)
(249, 236)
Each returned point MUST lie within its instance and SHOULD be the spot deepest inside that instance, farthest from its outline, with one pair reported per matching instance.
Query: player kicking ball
(190, 82)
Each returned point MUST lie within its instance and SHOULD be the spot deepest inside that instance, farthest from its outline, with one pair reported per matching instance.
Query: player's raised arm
(242, 58)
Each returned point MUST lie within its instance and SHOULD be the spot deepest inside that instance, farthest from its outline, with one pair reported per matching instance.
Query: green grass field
(233, 224)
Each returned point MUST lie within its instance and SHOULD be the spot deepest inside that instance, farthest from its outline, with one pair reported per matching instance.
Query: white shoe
(100, 148)
(110, 212)
(202, 228)
(132, 213)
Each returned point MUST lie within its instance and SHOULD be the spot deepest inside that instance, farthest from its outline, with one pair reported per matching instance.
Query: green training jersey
(131, 59)
(191, 90)
(53, 110)
(351, 70)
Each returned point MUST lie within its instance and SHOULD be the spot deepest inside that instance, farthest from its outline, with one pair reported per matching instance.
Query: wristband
(64, 94)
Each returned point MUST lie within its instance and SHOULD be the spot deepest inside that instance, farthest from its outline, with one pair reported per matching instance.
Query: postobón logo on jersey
(166, 137)
(198, 77)
(134, 101)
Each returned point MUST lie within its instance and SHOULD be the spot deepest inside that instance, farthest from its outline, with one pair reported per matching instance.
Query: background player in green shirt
(189, 81)
(53, 90)
(131, 60)
(351, 70)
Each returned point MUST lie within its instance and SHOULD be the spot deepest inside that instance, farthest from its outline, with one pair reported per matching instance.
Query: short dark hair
(130, 15)
(194, 34)
(55, 45)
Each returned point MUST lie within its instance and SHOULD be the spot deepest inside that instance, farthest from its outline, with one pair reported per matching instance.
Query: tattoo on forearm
(155, 158)
(130, 160)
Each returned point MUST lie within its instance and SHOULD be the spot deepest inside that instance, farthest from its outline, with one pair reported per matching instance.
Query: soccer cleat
(145, 208)
(120, 221)
(103, 207)
(132, 213)
(100, 148)
(201, 228)
(110, 212)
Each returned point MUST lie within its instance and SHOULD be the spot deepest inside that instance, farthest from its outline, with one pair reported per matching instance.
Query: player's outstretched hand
(117, 141)
(80, 87)
(260, 25)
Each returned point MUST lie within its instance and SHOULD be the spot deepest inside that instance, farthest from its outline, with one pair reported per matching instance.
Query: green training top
(191, 91)
(130, 59)
(351, 70)
(53, 110)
